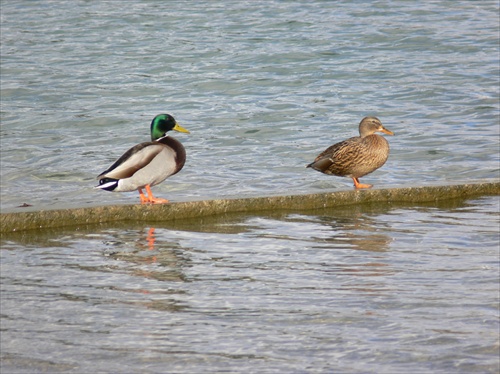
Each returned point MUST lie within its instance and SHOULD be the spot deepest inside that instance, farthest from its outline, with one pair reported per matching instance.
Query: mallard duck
(357, 156)
(147, 164)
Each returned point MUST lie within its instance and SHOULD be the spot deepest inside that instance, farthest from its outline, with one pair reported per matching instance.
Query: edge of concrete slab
(21, 221)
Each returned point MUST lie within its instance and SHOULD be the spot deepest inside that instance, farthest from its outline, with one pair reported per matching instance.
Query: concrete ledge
(169, 212)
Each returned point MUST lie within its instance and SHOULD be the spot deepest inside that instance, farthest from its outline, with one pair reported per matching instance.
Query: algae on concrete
(175, 211)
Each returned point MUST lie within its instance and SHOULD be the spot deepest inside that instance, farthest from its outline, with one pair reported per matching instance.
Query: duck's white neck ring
(163, 137)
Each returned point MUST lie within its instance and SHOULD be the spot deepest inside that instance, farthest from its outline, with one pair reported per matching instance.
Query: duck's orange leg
(144, 198)
(358, 185)
(150, 198)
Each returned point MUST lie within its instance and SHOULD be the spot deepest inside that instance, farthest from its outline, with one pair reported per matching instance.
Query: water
(361, 289)
(263, 87)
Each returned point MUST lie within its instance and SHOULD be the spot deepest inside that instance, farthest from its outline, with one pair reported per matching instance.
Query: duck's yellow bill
(179, 128)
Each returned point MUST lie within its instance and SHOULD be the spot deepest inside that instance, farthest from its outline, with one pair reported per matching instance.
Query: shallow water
(263, 87)
(359, 289)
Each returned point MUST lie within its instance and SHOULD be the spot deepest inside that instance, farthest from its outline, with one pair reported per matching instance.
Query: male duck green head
(147, 164)
(162, 124)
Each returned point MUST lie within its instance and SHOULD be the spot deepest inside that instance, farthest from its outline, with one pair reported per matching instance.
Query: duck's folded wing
(336, 155)
(321, 164)
(134, 159)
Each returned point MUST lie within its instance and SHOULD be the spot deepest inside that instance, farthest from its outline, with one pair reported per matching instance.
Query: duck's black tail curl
(108, 184)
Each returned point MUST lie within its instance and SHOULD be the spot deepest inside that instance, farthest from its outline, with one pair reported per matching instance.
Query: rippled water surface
(364, 289)
(263, 86)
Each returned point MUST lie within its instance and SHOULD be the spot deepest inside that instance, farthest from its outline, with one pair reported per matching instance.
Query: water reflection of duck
(149, 163)
(356, 156)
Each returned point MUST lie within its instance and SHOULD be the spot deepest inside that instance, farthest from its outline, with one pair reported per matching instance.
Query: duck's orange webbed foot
(154, 200)
(358, 185)
(150, 199)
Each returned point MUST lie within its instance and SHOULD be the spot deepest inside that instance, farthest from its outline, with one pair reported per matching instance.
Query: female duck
(147, 164)
(357, 156)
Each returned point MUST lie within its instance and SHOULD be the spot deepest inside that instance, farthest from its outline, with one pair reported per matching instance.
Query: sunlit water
(263, 87)
(366, 289)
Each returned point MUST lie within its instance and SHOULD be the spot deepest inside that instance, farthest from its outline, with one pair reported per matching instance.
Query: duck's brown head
(371, 125)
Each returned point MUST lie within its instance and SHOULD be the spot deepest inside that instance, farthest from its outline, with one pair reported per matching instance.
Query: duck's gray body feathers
(148, 163)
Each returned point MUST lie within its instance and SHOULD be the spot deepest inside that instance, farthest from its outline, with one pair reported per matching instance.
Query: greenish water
(263, 87)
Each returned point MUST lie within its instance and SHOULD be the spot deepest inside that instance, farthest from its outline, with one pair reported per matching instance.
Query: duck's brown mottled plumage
(357, 156)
